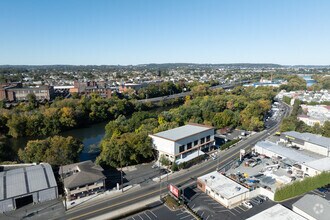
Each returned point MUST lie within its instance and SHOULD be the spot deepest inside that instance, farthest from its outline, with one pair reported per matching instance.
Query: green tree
(164, 160)
(55, 150)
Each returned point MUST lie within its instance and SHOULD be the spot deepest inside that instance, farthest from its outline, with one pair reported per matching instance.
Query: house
(26, 185)
(82, 179)
(184, 143)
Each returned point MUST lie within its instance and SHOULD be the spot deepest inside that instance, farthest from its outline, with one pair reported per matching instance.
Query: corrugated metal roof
(311, 138)
(315, 206)
(15, 183)
(321, 164)
(183, 131)
(35, 173)
(25, 180)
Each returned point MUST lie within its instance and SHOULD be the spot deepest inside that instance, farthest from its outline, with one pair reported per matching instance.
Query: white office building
(184, 143)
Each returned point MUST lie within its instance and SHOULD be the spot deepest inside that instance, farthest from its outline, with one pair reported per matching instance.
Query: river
(309, 80)
(90, 136)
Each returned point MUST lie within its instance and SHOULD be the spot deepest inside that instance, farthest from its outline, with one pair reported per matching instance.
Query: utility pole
(160, 182)
(65, 205)
(121, 171)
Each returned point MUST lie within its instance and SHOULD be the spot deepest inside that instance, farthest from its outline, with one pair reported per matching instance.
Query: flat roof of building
(311, 138)
(25, 180)
(286, 152)
(183, 131)
(314, 206)
(277, 212)
(320, 164)
(223, 185)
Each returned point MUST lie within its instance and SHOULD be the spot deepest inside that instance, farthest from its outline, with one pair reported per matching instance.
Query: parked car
(265, 198)
(257, 200)
(247, 204)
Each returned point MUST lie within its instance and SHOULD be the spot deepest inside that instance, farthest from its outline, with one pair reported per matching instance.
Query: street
(180, 178)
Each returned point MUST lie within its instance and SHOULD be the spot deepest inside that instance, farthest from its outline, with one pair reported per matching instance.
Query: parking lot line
(147, 215)
(218, 207)
(202, 214)
(193, 206)
(181, 213)
(226, 211)
(207, 217)
(187, 216)
(241, 208)
(236, 210)
(152, 213)
(140, 217)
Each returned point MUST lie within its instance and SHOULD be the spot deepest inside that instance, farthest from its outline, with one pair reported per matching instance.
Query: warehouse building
(222, 189)
(312, 207)
(307, 141)
(310, 164)
(22, 186)
(184, 143)
(277, 212)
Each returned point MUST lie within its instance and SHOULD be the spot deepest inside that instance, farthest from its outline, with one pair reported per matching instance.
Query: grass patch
(298, 188)
(171, 202)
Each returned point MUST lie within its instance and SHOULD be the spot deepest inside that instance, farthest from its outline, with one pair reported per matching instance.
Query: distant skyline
(131, 32)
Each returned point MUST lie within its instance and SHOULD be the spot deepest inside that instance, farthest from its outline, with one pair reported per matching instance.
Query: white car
(247, 204)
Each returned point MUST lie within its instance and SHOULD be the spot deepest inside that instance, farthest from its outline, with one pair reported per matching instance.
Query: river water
(91, 137)
(309, 80)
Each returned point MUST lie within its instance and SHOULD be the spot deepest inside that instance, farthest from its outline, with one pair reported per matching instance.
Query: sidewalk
(119, 213)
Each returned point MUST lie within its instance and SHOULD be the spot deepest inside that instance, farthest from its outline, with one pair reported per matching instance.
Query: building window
(202, 140)
(208, 138)
(195, 143)
(189, 145)
(181, 148)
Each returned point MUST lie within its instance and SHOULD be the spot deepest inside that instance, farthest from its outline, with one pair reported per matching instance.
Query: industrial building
(222, 189)
(82, 179)
(307, 141)
(307, 163)
(184, 143)
(312, 207)
(277, 212)
(22, 186)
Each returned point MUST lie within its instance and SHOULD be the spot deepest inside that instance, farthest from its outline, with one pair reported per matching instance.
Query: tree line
(126, 141)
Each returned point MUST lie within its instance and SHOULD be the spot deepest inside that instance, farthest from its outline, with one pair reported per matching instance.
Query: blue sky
(150, 31)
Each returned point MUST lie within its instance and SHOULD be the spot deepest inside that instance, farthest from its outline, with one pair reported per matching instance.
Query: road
(98, 208)
(184, 94)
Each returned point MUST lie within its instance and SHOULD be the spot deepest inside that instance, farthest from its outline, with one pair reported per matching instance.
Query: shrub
(300, 187)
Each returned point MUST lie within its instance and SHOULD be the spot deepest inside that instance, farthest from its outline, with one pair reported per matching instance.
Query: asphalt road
(183, 177)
